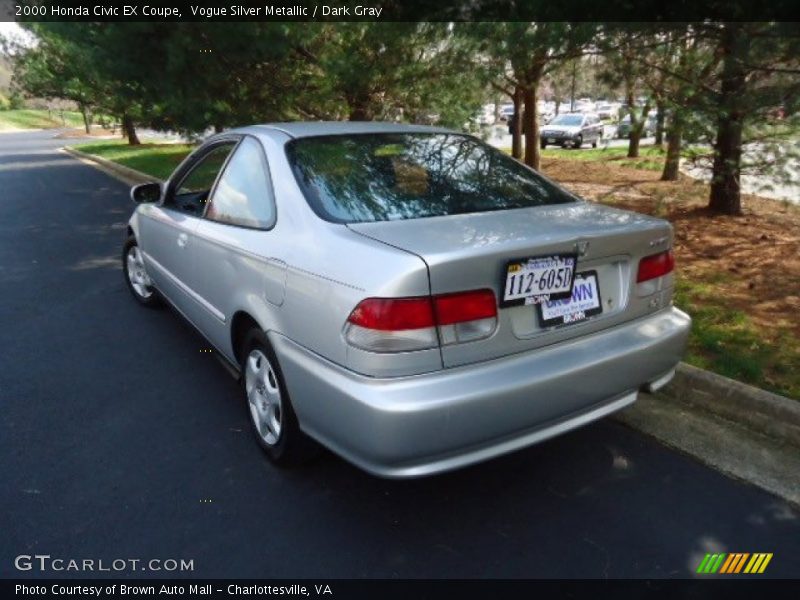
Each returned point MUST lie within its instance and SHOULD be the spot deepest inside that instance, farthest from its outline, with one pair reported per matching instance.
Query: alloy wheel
(263, 396)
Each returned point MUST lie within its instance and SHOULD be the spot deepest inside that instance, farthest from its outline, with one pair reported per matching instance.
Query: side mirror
(146, 192)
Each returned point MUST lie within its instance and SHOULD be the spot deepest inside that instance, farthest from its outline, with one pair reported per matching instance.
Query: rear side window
(243, 195)
(386, 177)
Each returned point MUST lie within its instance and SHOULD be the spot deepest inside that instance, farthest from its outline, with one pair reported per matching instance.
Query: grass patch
(726, 341)
(38, 119)
(651, 158)
(158, 160)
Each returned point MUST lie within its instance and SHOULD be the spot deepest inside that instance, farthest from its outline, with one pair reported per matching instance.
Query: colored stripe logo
(735, 562)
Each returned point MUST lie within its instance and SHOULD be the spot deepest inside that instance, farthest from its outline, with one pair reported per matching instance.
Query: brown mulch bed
(753, 258)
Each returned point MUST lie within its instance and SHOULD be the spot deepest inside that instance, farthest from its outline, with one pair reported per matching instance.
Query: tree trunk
(87, 118)
(674, 139)
(129, 130)
(516, 125)
(637, 126)
(633, 142)
(659, 123)
(358, 113)
(359, 104)
(572, 86)
(531, 128)
(725, 196)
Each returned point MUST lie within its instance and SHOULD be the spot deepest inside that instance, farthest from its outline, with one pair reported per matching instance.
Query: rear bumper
(424, 424)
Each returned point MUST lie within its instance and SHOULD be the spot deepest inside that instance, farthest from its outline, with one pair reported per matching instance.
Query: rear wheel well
(130, 231)
(241, 324)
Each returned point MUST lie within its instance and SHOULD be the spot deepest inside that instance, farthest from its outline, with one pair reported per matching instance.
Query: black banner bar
(646, 589)
(395, 10)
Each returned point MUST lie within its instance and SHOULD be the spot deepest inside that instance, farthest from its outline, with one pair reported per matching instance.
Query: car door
(167, 230)
(236, 251)
(592, 132)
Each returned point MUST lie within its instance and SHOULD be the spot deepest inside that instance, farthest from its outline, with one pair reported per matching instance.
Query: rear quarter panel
(328, 271)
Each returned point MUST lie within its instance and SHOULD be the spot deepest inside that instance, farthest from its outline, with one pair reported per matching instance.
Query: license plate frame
(573, 318)
(537, 298)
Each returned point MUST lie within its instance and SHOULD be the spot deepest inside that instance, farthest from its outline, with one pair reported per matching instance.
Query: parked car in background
(410, 297)
(572, 129)
(605, 111)
(649, 129)
(506, 112)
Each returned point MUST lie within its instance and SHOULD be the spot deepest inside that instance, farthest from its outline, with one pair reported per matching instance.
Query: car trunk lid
(471, 251)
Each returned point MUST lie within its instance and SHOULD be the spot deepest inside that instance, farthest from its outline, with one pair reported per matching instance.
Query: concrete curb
(742, 431)
(122, 173)
(725, 446)
(760, 411)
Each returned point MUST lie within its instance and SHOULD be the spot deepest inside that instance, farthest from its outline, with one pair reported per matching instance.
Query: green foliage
(220, 75)
(5, 103)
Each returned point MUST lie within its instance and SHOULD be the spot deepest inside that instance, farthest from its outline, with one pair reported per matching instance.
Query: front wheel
(272, 417)
(136, 276)
(578, 142)
(543, 145)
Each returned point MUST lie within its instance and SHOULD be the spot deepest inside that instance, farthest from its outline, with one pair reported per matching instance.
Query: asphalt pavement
(120, 439)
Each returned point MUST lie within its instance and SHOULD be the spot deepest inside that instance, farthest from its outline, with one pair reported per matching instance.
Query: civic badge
(582, 247)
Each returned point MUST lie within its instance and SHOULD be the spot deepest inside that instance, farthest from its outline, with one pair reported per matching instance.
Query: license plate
(584, 302)
(551, 140)
(538, 279)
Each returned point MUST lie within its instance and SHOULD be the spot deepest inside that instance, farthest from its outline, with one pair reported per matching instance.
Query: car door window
(243, 195)
(191, 193)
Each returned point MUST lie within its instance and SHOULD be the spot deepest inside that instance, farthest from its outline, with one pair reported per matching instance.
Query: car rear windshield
(387, 177)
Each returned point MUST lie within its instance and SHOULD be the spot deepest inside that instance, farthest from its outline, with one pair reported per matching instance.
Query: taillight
(656, 265)
(465, 316)
(404, 324)
(464, 306)
(393, 314)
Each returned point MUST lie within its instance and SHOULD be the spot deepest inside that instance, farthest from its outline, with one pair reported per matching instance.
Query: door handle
(183, 239)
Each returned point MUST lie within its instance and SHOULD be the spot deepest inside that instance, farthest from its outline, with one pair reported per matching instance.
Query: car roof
(299, 129)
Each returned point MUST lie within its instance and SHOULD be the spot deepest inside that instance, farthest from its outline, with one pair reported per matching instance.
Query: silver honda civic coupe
(406, 296)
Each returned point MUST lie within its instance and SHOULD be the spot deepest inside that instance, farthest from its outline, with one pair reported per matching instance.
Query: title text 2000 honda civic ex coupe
(407, 296)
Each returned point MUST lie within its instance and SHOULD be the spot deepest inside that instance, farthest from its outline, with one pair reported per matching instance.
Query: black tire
(292, 446)
(151, 299)
(578, 142)
(542, 145)
(594, 143)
